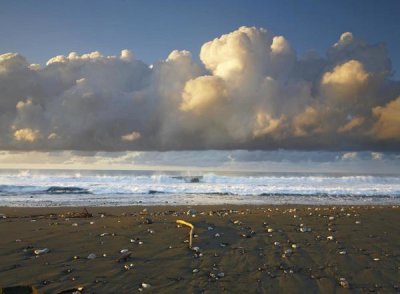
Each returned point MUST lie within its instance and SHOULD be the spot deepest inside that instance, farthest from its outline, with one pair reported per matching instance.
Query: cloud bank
(250, 91)
(354, 162)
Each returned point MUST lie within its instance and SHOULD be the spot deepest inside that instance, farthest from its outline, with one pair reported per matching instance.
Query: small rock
(145, 286)
(217, 235)
(91, 256)
(128, 266)
(196, 270)
(41, 251)
(191, 211)
(270, 230)
(343, 252)
(124, 256)
(74, 224)
(288, 252)
(330, 238)
(305, 229)
(210, 228)
(343, 282)
(221, 275)
(277, 243)
(123, 251)
(148, 221)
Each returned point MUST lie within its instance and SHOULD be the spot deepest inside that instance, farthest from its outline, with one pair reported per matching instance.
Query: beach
(236, 249)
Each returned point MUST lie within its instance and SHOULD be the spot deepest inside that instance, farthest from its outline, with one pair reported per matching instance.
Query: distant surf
(99, 188)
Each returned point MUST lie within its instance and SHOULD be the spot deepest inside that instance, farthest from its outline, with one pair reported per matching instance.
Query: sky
(101, 76)
(222, 161)
(42, 29)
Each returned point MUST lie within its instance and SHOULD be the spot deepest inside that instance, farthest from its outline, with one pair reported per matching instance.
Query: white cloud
(250, 91)
(130, 137)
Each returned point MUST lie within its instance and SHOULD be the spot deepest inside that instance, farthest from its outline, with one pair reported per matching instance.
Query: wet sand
(241, 249)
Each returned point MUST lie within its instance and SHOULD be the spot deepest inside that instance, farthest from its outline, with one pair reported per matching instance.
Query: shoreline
(241, 248)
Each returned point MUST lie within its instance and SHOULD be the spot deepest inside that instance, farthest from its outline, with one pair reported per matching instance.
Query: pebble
(196, 270)
(41, 251)
(331, 218)
(91, 256)
(221, 275)
(294, 246)
(277, 243)
(196, 249)
(191, 212)
(145, 286)
(377, 259)
(287, 253)
(2, 215)
(124, 256)
(123, 251)
(358, 222)
(92, 223)
(217, 235)
(343, 252)
(104, 234)
(210, 228)
(343, 282)
(305, 229)
(129, 266)
(270, 230)
(74, 224)
(330, 238)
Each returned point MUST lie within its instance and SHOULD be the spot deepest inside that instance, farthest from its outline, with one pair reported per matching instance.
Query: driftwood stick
(182, 222)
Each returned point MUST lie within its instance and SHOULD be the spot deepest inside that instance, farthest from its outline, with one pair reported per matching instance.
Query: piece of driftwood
(182, 222)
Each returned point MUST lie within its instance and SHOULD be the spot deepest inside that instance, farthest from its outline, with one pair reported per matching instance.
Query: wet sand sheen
(242, 249)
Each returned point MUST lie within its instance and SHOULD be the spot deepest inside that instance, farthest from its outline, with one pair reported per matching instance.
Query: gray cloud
(251, 91)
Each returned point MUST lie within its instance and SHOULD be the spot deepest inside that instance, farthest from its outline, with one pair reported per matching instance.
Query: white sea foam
(30, 188)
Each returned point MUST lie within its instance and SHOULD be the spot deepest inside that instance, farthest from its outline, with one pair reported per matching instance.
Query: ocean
(119, 188)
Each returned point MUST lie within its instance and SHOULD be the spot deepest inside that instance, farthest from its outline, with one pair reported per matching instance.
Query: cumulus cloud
(388, 124)
(250, 91)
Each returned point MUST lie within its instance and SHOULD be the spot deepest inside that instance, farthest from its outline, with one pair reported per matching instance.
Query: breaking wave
(34, 188)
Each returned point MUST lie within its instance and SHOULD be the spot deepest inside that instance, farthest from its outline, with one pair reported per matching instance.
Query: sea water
(118, 188)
